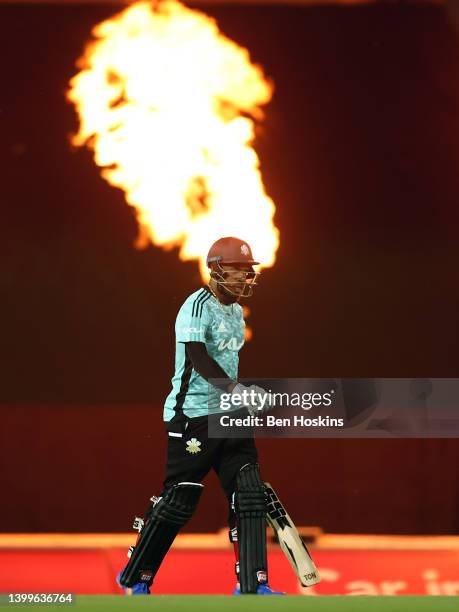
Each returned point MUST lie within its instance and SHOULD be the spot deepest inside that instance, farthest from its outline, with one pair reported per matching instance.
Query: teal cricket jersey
(203, 318)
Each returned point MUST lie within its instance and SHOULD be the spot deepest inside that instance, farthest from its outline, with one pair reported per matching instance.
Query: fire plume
(168, 104)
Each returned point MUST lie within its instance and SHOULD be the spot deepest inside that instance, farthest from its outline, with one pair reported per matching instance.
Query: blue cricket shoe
(263, 589)
(141, 588)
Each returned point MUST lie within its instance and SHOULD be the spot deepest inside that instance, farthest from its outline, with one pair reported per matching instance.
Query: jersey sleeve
(192, 322)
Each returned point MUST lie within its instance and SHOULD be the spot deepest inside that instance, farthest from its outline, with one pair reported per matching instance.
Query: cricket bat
(290, 540)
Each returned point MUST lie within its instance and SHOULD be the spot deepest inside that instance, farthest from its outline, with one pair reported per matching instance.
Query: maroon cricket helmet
(231, 251)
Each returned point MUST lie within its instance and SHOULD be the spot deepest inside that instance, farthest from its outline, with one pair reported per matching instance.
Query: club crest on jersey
(244, 249)
(232, 344)
(221, 327)
(192, 446)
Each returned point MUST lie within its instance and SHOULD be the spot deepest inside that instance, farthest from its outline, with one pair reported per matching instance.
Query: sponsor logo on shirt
(232, 344)
(193, 330)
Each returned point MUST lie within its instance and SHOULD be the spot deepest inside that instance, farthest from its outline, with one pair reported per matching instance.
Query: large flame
(168, 105)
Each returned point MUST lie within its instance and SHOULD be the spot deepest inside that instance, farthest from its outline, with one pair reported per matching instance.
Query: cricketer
(209, 333)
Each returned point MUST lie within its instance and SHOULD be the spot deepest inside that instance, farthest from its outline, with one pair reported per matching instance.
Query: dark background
(360, 152)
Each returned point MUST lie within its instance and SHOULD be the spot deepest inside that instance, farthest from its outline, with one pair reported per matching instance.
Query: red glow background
(360, 150)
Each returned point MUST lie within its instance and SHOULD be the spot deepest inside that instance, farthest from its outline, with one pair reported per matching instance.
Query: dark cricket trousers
(191, 454)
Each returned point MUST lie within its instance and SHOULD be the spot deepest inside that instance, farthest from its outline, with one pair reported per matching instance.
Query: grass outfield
(215, 603)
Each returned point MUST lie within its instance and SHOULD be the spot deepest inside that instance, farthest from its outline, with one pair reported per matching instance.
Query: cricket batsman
(209, 334)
